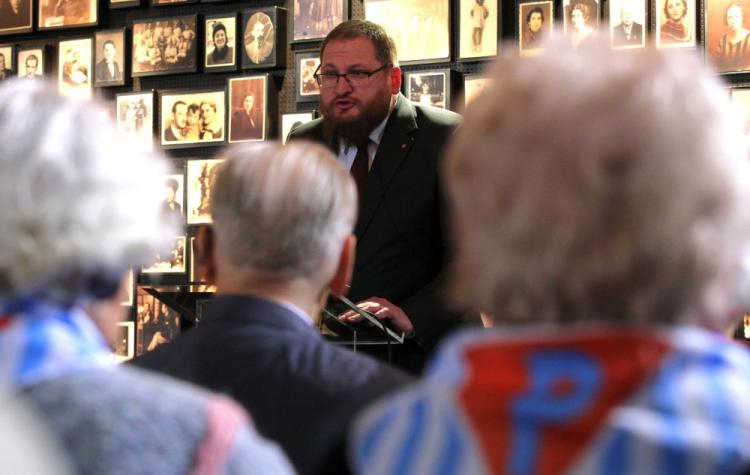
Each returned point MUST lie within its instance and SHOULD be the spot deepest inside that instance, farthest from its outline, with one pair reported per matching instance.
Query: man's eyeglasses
(354, 78)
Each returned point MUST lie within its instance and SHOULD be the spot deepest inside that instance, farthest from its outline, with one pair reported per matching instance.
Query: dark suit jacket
(636, 35)
(102, 72)
(301, 391)
(400, 227)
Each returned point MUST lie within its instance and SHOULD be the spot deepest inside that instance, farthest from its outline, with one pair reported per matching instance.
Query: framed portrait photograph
(263, 37)
(535, 22)
(293, 120)
(123, 348)
(429, 88)
(314, 19)
(55, 14)
(174, 197)
(420, 28)
(200, 178)
(74, 67)
(478, 29)
(109, 58)
(675, 23)
(7, 62)
(305, 64)
(32, 62)
(171, 262)
(198, 271)
(135, 117)
(727, 34)
(581, 20)
(740, 97)
(190, 118)
(156, 323)
(220, 43)
(15, 16)
(627, 24)
(247, 105)
(166, 46)
(474, 85)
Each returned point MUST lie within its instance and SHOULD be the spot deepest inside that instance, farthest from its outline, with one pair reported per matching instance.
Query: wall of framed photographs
(190, 76)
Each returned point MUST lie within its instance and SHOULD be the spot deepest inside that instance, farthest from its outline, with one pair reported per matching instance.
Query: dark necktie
(360, 168)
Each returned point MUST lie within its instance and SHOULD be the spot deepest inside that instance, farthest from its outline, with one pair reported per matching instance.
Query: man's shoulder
(312, 130)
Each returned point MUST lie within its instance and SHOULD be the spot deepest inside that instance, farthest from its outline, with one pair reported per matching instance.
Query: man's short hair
(385, 48)
(109, 42)
(535, 10)
(282, 212)
(174, 106)
(30, 58)
(641, 217)
(172, 183)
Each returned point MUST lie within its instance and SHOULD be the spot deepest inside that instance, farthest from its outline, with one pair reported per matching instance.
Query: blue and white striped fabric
(659, 402)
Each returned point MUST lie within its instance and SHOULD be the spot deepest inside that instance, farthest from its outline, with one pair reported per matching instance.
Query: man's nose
(343, 86)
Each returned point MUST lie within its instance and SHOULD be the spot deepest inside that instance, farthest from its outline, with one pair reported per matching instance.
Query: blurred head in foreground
(597, 187)
(80, 206)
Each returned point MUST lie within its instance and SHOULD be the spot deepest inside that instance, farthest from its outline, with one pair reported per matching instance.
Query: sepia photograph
(293, 120)
(7, 61)
(123, 347)
(31, 63)
(474, 85)
(581, 20)
(174, 192)
(135, 117)
(74, 68)
(535, 22)
(109, 58)
(221, 43)
(627, 24)
(156, 323)
(420, 28)
(478, 22)
(247, 100)
(15, 16)
(115, 4)
(675, 23)
(171, 262)
(314, 19)
(428, 88)
(198, 270)
(200, 177)
(727, 35)
(166, 46)
(130, 284)
(261, 31)
(741, 101)
(166, 3)
(190, 118)
(67, 13)
(306, 63)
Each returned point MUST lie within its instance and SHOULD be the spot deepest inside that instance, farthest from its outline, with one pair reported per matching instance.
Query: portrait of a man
(6, 63)
(534, 23)
(259, 38)
(247, 97)
(628, 32)
(15, 16)
(109, 58)
(220, 39)
(31, 63)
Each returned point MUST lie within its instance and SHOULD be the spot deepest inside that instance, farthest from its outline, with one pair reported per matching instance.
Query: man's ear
(395, 80)
(205, 258)
(339, 284)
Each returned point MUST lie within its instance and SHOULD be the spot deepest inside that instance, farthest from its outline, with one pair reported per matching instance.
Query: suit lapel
(398, 139)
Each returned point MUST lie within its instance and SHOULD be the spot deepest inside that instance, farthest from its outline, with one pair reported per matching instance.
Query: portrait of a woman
(579, 31)
(732, 52)
(675, 30)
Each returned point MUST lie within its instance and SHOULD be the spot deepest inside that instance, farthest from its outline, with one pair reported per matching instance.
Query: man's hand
(382, 309)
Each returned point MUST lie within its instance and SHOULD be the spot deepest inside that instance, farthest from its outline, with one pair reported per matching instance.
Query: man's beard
(354, 131)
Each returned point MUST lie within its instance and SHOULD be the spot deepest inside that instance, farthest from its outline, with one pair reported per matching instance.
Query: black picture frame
(305, 65)
(66, 14)
(42, 53)
(256, 126)
(434, 87)
(309, 22)
(135, 113)
(21, 21)
(9, 66)
(213, 63)
(200, 137)
(103, 73)
(148, 52)
(266, 47)
(489, 47)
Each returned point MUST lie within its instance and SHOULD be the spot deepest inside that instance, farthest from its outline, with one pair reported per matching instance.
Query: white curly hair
(78, 201)
(587, 185)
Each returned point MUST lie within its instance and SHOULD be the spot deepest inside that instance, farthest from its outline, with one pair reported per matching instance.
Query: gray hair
(590, 186)
(282, 212)
(77, 201)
